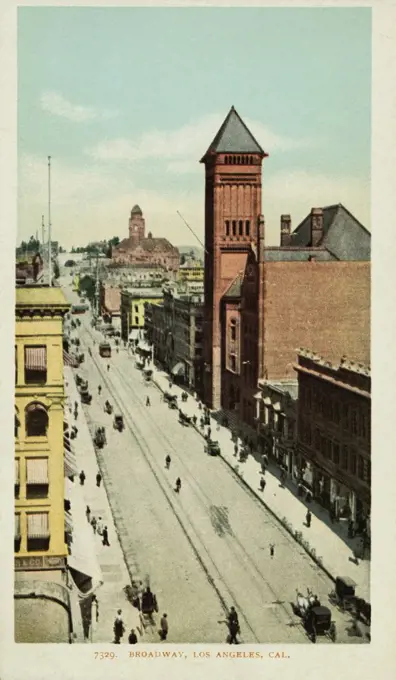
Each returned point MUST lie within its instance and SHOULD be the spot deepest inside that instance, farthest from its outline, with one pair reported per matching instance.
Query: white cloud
(57, 105)
(94, 202)
(185, 144)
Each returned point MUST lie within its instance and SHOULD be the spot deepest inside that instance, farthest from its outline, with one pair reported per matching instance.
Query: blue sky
(126, 101)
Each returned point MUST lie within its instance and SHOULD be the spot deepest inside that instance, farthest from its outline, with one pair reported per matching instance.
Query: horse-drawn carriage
(212, 448)
(118, 422)
(171, 399)
(148, 374)
(184, 419)
(344, 596)
(315, 618)
(100, 437)
(108, 407)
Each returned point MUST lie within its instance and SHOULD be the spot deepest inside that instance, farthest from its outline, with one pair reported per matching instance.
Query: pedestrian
(118, 628)
(93, 524)
(75, 415)
(262, 483)
(272, 549)
(108, 367)
(235, 449)
(132, 638)
(105, 540)
(147, 401)
(98, 479)
(99, 526)
(163, 632)
(233, 626)
(82, 477)
(209, 432)
(178, 484)
(75, 406)
(95, 603)
(99, 389)
(308, 518)
(88, 513)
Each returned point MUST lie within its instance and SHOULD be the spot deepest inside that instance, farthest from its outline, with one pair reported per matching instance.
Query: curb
(292, 532)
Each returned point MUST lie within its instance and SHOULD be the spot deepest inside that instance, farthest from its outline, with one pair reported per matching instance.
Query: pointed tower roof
(136, 210)
(234, 137)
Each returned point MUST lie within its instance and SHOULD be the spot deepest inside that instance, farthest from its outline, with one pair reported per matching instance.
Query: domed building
(137, 249)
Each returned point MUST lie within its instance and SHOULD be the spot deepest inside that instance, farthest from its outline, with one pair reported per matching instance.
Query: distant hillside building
(137, 249)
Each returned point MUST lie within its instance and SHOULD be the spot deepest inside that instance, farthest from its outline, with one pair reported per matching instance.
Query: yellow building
(190, 271)
(133, 301)
(40, 548)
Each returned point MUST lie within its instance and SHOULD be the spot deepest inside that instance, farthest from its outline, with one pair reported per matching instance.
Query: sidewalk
(110, 594)
(324, 545)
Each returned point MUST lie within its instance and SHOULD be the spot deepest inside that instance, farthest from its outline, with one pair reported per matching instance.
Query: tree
(182, 259)
(114, 241)
(86, 286)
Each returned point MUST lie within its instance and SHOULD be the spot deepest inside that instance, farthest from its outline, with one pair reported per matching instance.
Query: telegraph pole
(97, 286)
(49, 224)
(42, 231)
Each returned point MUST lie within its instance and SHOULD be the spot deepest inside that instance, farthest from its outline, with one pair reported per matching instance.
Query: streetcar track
(247, 559)
(132, 427)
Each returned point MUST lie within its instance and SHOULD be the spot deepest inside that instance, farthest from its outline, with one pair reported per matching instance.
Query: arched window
(239, 160)
(234, 227)
(227, 227)
(233, 330)
(247, 227)
(36, 420)
(240, 228)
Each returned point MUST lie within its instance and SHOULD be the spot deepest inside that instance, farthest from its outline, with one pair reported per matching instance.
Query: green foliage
(86, 286)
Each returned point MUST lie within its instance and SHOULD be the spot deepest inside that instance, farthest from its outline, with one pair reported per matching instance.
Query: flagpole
(49, 224)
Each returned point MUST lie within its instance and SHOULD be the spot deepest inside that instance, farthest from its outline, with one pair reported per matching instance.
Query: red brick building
(334, 435)
(261, 302)
(137, 249)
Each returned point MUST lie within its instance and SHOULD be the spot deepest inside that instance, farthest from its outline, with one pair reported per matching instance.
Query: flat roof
(40, 295)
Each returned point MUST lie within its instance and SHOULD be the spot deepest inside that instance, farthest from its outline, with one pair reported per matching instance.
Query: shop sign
(40, 562)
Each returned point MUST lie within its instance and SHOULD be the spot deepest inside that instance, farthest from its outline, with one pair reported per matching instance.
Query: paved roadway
(207, 547)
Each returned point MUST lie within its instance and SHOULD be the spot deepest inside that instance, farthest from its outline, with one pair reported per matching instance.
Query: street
(208, 547)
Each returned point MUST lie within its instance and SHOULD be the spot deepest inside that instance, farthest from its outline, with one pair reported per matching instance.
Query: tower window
(234, 226)
(36, 420)
(240, 228)
(239, 160)
(247, 227)
(227, 227)
(233, 329)
(251, 160)
(226, 160)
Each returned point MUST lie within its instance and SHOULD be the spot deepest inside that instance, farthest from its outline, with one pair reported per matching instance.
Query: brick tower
(232, 208)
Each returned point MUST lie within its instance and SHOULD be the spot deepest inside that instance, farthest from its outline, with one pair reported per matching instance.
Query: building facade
(137, 249)
(42, 607)
(175, 330)
(133, 308)
(276, 414)
(190, 271)
(334, 435)
(262, 301)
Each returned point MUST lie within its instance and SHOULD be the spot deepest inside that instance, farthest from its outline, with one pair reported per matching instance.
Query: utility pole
(42, 231)
(49, 224)
(97, 286)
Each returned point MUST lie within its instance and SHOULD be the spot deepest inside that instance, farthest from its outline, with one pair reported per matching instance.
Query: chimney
(316, 226)
(285, 230)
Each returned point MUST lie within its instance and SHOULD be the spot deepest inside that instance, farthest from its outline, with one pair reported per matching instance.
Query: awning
(83, 561)
(37, 525)
(267, 401)
(36, 358)
(144, 346)
(68, 360)
(69, 464)
(258, 395)
(178, 369)
(68, 522)
(134, 334)
(277, 406)
(37, 471)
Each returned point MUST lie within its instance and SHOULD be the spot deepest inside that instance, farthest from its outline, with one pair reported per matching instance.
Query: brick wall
(324, 306)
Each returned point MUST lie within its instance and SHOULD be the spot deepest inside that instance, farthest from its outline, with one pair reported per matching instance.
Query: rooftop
(150, 293)
(234, 137)
(42, 296)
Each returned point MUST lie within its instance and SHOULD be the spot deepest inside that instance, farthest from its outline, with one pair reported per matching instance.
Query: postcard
(191, 326)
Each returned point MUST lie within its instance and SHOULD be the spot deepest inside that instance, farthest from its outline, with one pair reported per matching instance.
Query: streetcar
(105, 349)
(79, 309)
